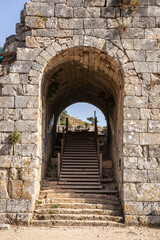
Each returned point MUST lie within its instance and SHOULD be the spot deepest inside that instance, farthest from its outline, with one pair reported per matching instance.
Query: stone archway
(83, 74)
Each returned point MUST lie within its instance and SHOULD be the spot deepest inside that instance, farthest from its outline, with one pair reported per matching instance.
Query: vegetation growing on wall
(15, 137)
(129, 4)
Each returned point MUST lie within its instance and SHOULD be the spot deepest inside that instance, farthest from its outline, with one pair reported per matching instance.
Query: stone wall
(132, 40)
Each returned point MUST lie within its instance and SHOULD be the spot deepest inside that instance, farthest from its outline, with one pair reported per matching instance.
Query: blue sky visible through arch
(84, 110)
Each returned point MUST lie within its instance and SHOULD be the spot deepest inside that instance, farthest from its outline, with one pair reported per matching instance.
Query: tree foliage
(91, 119)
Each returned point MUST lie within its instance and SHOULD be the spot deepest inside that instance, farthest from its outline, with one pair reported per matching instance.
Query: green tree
(91, 119)
(63, 116)
(86, 124)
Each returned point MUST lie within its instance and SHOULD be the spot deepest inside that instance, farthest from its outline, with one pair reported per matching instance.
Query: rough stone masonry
(132, 41)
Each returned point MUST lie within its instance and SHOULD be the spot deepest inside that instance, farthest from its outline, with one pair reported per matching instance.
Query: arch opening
(83, 74)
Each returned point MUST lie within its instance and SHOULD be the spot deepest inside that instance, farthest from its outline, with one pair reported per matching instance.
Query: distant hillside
(77, 122)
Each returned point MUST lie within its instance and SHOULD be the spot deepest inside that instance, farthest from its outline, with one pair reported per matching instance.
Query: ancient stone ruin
(102, 52)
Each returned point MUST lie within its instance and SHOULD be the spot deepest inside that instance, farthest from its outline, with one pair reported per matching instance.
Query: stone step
(82, 175)
(68, 150)
(79, 157)
(66, 172)
(90, 147)
(81, 187)
(79, 163)
(79, 200)
(78, 206)
(79, 211)
(103, 191)
(49, 194)
(94, 183)
(53, 216)
(79, 169)
(65, 223)
(64, 179)
(81, 153)
(76, 161)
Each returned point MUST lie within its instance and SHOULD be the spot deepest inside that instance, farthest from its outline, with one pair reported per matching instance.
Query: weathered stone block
(153, 11)
(154, 126)
(132, 151)
(39, 9)
(14, 173)
(95, 23)
(130, 162)
(62, 10)
(27, 54)
(131, 138)
(80, 12)
(3, 184)
(154, 151)
(136, 55)
(29, 189)
(31, 42)
(131, 113)
(15, 188)
(31, 90)
(35, 22)
(131, 220)
(110, 12)
(145, 67)
(30, 114)
(3, 205)
(154, 176)
(2, 218)
(148, 192)
(75, 3)
(149, 220)
(130, 175)
(6, 149)
(92, 3)
(28, 137)
(94, 12)
(24, 218)
(21, 66)
(135, 126)
(27, 125)
(28, 174)
(30, 162)
(149, 138)
(130, 191)
(141, 208)
(26, 102)
(154, 102)
(16, 162)
(6, 102)
(139, 102)
(12, 90)
(75, 23)
(18, 206)
(145, 44)
(5, 161)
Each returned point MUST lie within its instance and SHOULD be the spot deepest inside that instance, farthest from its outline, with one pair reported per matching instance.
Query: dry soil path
(85, 233)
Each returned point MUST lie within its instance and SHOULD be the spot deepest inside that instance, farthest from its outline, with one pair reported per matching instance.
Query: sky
(84, 110)
(9, 16)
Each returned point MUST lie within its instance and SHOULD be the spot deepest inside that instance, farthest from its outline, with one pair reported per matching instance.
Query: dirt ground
(83, 233)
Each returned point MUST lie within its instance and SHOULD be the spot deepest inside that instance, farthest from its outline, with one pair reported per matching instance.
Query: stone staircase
(79, 198)
(80, 170)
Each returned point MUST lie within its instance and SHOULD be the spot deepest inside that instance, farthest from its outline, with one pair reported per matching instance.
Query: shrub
(15, 137)
(129, 4)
